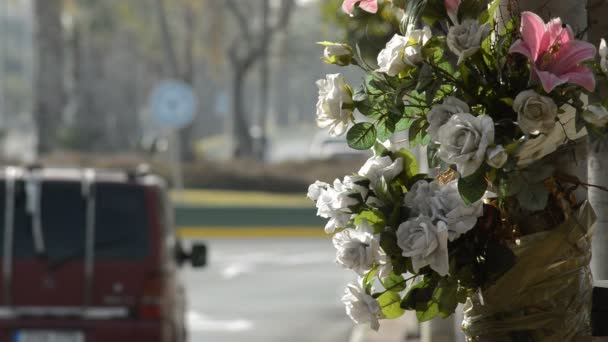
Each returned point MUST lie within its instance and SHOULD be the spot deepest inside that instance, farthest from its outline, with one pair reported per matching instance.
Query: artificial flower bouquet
(497, 97)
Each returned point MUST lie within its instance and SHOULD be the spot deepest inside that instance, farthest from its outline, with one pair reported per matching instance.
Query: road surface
(267, 290)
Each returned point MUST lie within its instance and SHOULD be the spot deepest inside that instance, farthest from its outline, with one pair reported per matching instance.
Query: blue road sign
(173, 104)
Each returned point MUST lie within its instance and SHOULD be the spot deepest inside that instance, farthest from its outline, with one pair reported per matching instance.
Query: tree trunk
(49, 68)
(243, 143)
(598, 154)
(261, 140)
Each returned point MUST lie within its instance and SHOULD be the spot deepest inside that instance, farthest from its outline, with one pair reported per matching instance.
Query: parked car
(89, 256)
(326, 147)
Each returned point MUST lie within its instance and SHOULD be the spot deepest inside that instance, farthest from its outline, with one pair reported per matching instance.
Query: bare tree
(49, 69)
(246, 49)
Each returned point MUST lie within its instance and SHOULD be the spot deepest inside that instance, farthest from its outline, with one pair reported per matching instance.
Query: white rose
(358, 184)
(334, 204)
(334, 104)
(361, 307)
(419, 198)
(464, 40)
(357, 249)
(596, 115)
(377, 167)
(496, 157)
(403, 51)
(535, 113)
(315, 189)
(336, 53)
(448, 207)
(425, 243)
(603, 56)
(441, 113)
(464, 140)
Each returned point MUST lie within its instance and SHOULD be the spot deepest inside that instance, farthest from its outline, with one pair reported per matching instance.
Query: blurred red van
(89, 256)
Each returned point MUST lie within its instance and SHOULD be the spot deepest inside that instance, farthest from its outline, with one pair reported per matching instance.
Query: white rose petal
(403, 51)
(334, 94)
(315, 189)
(358, 184)
(449, 207)
(464, 40)
(419, 198)
(464, 140)
(425, 243)
(361, 307)
(603, 56)
(441, 113)
(357, 249)
(535, 113)
(496, 157)
(377, 167)
(334, 203)
(596, 115)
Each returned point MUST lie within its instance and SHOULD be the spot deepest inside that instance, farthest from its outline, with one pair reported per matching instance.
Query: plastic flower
(441, 113)
(425, 243)
(337, 53)
(376, 168)
(464, 141)
(555, 56)
(535, 113)
(403, 51)
(497, 157)
(361, 307)
(370, 6)
(357, 249)
(333, 106)
(464, 40)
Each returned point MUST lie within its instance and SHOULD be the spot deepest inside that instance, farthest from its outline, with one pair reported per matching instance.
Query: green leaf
(403, 124)
(473, 188)
(420, 294)
(446, 296)
(385, 127)
(388, 242)
(427, 312)
(394, 283)
(361, 136)
(410, 164)
(390, 304)
(510, 185)
(374, 217)
(368, 280)
(425, 78)
(534, 197)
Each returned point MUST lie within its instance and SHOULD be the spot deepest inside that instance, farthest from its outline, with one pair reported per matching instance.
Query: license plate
(48, 336)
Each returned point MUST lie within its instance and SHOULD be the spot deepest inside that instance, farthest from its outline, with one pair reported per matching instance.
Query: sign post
(173, 105)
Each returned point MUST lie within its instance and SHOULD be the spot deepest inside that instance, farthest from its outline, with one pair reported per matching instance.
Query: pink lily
(555, 56)
(370, 6)
(451, 7)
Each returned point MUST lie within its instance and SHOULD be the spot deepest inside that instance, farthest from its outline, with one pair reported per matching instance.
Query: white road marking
(201, 323)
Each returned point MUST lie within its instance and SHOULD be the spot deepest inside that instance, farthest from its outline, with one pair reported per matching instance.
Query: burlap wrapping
(546, 296)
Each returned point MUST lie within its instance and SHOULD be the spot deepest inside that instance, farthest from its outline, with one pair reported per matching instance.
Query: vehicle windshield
(120, 217)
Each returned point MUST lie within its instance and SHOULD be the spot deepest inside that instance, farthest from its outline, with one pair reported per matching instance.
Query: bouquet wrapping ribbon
(546, 296)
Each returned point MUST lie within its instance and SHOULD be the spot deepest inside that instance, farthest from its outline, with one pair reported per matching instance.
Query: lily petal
(582, 76)
(571, 55)
(370, 6)
(549, 80)
(532, 31)
(520, 47)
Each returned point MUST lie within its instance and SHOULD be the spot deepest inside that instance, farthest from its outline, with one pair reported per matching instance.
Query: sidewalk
(403, 329)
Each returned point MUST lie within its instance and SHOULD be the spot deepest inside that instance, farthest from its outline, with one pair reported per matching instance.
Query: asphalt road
(267, 290)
